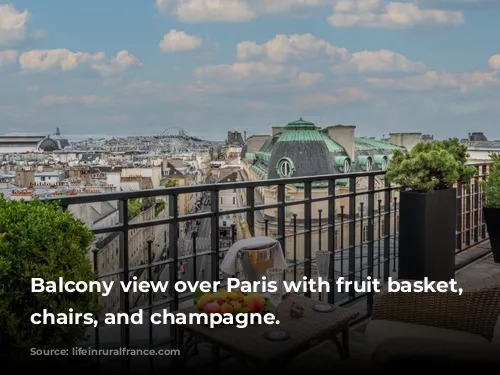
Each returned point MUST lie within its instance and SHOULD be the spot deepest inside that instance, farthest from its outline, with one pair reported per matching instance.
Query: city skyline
(429, 66)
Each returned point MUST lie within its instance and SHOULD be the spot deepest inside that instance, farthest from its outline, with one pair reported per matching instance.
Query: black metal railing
(355, 216)
(471, 227)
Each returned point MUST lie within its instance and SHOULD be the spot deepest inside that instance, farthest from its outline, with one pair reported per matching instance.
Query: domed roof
(300, 151)
(301, 125)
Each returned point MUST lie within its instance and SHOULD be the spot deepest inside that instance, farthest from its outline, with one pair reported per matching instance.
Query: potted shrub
(427, 175)
(37, 239)
(491, 209)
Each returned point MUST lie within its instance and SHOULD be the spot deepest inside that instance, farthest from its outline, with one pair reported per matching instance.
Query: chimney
(406, 140)
(245, 136)
(277, 130)
(344, 136)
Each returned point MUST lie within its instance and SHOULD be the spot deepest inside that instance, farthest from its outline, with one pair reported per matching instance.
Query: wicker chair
(437, 327)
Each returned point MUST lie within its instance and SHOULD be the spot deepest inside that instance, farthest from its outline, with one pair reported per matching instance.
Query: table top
(250, 342)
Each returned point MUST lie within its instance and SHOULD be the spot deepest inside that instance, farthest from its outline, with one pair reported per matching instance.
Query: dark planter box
(492, 218)
(427, 235)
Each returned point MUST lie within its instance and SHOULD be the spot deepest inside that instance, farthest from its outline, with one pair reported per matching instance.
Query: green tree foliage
(431, 166)
(171, 183)
(134, 208)
(37, 239)
(491, 187)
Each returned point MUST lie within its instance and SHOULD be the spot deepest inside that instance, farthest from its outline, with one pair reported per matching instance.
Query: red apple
(256, 305)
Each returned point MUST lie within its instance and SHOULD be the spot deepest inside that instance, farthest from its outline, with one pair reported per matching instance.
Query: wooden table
(250, 345)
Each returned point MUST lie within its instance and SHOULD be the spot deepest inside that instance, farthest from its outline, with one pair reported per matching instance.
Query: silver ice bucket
(255, 262)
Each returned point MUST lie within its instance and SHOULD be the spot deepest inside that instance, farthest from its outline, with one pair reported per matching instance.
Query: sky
(145, 67)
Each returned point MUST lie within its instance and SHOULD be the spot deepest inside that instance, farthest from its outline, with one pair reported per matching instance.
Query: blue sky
(128, 67)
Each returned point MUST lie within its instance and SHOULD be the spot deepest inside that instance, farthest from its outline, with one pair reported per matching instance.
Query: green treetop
(431, 166)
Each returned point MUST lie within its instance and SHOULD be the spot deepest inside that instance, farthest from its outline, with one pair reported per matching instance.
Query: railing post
(387, 230)
(361, 237)
(95, 252)
(215, 234)
(483, 224)
(125, 276)
(370, 219)
(319, 229)
(173, 237)
(307, 232)
(342, 213)
(150, 303)
(476, 208)
(294, 247)
(194, 235)
(379, 236)
(331, 237)
(468, 218)
(395, 237)
(352, 233)
(460, 190)
(251, 209)
(282, 216)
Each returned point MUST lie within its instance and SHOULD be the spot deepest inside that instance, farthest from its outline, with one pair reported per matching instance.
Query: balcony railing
(355, 216)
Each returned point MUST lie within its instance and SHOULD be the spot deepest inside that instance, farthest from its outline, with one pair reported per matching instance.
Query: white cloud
(13, 24)
(198, 11)
(306, 79)
(122, 62)
(179, 41)
(494, 62)
(295, 47)
(382, 14)
(8, 57)
(347, 13)
(66, 60)
(463, 82)
(207, 10)
(384, 61)
(283, 6)
(247, 71)
(357, 6)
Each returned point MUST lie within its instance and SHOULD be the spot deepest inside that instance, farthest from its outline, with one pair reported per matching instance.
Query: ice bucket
(255, 262)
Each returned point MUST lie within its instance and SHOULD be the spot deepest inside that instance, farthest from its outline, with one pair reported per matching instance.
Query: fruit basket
(234, 302)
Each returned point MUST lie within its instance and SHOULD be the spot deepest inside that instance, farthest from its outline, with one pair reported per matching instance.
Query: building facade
(302, 149)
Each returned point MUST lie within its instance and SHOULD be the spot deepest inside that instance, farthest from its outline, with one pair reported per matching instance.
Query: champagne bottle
(245, 229)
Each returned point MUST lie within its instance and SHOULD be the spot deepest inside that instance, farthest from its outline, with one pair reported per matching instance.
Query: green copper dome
(301, 125)
(300, 131)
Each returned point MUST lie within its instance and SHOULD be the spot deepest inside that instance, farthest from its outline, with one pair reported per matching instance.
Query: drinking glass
(275, 297)
(323, 270)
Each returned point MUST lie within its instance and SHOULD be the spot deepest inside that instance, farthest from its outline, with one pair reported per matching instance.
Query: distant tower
(58, 132)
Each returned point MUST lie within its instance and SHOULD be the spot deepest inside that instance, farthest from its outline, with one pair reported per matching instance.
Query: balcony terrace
(355, 216)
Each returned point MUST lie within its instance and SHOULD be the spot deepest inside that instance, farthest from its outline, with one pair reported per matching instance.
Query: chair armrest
(475, 311)
(415, 351)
